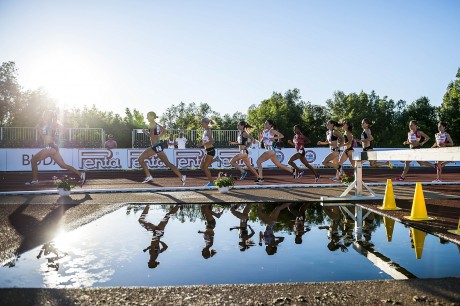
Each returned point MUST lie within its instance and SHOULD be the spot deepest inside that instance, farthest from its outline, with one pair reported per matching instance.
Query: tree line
(19, 108)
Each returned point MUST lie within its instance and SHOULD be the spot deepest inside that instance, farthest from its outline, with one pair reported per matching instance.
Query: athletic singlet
(441, 137)
(156, 130)
(171, 144)
(363, 135)
(330, 136)
(242, 141)
(413, 137)
(267, 139)
(345, 137)
(205, 136)
(269, 235)
(299, 142)
(48, 131)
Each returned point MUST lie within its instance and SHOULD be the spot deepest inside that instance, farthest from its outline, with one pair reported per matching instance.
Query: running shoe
(335, 179)
(259, 180)
(436, 181)
(82, 179)
(299, 174)
(317, 178)
(210, 185)
(390, 165)
(34, 182)
(243, 175)
(148, 179)
(183, 179)
(294, 173)
(400, 178)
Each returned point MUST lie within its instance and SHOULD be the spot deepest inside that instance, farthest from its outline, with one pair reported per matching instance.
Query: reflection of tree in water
(53, 259)
(189, 213)
(313, 215)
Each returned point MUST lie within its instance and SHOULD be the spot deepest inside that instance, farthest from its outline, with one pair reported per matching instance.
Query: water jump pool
(163, 245)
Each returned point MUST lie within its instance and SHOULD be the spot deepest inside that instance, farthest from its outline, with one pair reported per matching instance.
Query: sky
(150, 55)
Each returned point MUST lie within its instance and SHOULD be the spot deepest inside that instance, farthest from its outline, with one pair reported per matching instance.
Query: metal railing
(222, 137)
(25, 137)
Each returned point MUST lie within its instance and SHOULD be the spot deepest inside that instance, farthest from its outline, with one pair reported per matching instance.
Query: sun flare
(73, 79)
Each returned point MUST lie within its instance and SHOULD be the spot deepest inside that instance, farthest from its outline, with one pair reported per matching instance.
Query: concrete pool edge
(403, 292)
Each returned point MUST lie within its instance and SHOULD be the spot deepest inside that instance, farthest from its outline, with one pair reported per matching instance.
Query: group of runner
(339, 138)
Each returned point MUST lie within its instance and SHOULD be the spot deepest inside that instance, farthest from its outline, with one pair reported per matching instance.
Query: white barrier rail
(451, 154)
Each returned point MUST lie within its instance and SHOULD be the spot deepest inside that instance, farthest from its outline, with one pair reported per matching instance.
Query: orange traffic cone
(389, 226)
(389, 202)
(457, 231)
(418, 238)
(418, 212)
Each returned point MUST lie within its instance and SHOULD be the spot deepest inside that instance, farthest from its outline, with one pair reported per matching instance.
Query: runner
(299, 142)
(155, 132)
(366, 138)
(208, 143)
(244, 142)
(49, 133)
(267, 136)
(414, 137)
(333, 139)
(443, 140)
(347, 127)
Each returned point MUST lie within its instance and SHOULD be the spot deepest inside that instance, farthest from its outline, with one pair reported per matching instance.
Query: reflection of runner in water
(208, 233)
(299, 228)
(156, 245)
(268, 236)
(243, 234)
(48, 248)
(334, 215)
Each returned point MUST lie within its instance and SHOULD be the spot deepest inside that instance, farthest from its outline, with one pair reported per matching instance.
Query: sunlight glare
(72, 79)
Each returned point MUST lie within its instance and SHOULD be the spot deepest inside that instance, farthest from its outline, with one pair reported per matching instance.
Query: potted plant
(224, 182)
(347, 178)
(64, 184)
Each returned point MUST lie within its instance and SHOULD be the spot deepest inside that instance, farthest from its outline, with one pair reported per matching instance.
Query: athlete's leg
(60, 161)
(262, 158)
(168, 164)
(291, 162)
(307, 164)
(41, 155)
(276, 161)
(205, 163)
(146, 154)
(247, 162)
(234, 163)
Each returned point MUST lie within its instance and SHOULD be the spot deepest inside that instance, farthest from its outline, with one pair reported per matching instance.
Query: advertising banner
(117, 159)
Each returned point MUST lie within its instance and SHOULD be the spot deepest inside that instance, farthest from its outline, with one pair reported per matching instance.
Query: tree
(425, 114)
(10, 92)
(450, 108)
(286, 110)
(228, 122)
(315, 118)
(188, 116)
(28, 109)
